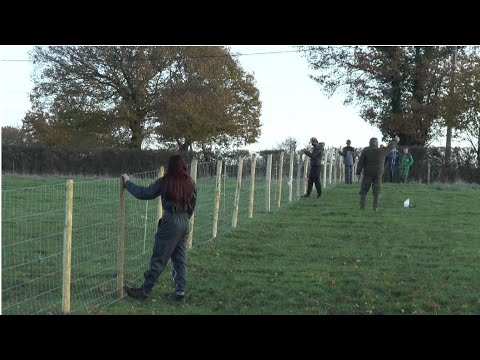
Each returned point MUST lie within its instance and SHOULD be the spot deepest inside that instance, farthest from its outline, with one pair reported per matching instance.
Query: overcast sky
(292, 103)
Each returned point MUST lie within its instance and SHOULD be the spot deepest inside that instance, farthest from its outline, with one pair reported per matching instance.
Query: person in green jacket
(406, 160)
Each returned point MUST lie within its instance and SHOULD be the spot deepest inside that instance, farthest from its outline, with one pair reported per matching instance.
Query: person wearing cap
(348, 153)
(315, 165)
(406, 160)
(371, 162)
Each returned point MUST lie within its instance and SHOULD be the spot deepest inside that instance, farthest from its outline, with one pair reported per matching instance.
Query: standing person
(371, 162)
(406, 160)
(391, 162)
(348, 153)
(316, 162)
(179, 196)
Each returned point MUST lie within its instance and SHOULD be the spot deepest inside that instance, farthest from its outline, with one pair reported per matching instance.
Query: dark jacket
(348, 153)
(158, 188)
(316, 155)
(372, 160)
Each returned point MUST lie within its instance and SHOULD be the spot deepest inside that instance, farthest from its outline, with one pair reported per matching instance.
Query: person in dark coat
(371, 162)
(315, 165)
(348, 153)
(179, 196)
(392, 162)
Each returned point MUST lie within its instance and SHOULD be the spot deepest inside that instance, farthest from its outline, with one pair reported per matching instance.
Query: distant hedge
(108, 162)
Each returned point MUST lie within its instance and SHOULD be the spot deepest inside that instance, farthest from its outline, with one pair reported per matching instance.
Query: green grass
(324, 257)
(33, 216)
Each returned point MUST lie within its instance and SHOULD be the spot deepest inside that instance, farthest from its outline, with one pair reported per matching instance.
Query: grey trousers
(348, 174)
(170, 243)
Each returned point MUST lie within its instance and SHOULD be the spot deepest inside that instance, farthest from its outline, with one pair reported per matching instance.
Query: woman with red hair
(179, 196)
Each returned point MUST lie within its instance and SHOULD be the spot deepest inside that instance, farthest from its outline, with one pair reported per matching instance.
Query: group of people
(178, 192)
(397, 165)
(372, 162)
(316, 155)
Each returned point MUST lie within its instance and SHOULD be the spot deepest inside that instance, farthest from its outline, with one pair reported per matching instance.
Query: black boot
(362, 201)
(137, 293)
(177, 296)
(375, 202)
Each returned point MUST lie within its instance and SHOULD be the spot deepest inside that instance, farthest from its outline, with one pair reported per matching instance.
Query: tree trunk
(478, 148)
(450, 120)
(137, 136)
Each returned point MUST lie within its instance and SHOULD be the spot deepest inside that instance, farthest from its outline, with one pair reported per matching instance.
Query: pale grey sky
(292, 103)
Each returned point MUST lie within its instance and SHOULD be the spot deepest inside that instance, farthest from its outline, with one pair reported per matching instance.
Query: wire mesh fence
(34, 227)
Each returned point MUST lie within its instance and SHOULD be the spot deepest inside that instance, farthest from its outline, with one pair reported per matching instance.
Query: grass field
(33, 216)
(318, 257)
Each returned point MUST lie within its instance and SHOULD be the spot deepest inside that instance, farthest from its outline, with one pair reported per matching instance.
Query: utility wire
(201, 57)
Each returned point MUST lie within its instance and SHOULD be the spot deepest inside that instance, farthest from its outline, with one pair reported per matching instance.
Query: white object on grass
(406, 203)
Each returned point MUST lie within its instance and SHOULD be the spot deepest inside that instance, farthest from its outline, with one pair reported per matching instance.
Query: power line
(200, 57)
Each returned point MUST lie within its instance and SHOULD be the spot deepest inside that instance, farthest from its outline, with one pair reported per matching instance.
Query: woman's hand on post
(125, 178)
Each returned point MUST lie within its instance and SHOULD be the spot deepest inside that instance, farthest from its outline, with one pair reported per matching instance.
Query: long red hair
(179, 186)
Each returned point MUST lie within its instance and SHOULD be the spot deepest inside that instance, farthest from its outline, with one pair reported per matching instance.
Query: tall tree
(13, 136)
(118, 84)
(397, 88)
(36, 126)
(209, 102)
(468, 99)
(127, 94)
(288, 144)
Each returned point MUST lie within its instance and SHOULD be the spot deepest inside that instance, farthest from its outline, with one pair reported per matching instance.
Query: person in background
(348, 153)
(371, 162)
(179, 196)
(315, 165)
(406, 160)
(391, 164)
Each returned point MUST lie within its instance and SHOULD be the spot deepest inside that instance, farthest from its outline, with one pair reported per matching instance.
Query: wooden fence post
(290, 177)
(428, 173)
(236, 201)
(121, 242)
(299, 175)
(280, 179)
(67, 247)
(161, 171)
(193, 175)
(252, 186)
(324, 169)
(218, 190)
(305, 173)
(268, 182)
(330, 166)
